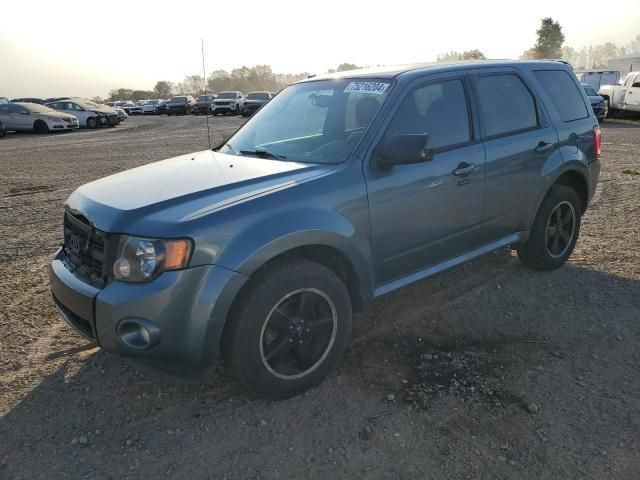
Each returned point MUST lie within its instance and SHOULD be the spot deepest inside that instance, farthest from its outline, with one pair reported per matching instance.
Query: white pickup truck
(622, 97)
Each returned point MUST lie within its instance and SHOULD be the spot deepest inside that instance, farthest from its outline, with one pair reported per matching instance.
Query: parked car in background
(180, 105)
(125, 105)
(33, 117)
(597, 78)
(150, 106)
(28, 100)
(161, 108)
(204, 104)
(598, 104)
(623, 97)
(228, 102)
(4, 100)
(344, 188)
(253, 102)
(137, 108)
(88, 113)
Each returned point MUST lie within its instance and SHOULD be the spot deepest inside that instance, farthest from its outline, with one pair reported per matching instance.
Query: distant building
(625, 63)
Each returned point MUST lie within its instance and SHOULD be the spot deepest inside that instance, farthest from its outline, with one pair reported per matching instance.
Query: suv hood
(182, 188)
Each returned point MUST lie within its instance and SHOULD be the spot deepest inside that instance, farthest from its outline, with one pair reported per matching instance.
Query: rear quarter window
(564, 93)
(506, 105)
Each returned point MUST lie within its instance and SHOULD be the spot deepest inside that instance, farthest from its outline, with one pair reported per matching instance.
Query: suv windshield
(258, 96)
(205, 98)
(314, 122)
(179, 100)
(227, 95)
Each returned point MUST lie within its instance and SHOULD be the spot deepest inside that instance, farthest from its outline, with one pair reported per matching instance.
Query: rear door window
(506, 105)
(564, 93)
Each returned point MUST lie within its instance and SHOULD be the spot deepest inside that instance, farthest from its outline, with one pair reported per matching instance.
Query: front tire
(605, 114)
(40, 126)
(555, 230)
(290, 329)
(92, 122)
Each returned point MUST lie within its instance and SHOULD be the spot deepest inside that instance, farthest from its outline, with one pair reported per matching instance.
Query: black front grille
(85, 252)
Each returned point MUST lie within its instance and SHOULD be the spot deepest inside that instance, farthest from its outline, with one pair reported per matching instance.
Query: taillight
(597, 141)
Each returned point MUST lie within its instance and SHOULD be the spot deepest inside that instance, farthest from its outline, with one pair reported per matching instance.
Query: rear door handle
(464, 168)
(543, 147)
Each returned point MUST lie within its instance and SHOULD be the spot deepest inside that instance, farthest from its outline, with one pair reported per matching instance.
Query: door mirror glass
(404, 149)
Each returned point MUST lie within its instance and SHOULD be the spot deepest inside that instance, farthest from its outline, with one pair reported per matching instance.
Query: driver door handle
(464, 168)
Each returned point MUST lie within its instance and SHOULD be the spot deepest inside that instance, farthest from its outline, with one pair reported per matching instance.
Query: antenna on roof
(204, 73)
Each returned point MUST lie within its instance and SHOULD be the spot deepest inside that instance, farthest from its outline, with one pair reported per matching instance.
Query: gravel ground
(486, 371)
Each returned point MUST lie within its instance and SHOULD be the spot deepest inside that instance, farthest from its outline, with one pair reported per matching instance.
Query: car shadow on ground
(452, 368)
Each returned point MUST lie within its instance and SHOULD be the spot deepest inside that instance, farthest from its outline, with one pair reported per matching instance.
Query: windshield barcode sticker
(377, 88)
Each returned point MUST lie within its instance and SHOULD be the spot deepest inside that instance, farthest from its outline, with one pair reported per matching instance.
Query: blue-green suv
(341, 189)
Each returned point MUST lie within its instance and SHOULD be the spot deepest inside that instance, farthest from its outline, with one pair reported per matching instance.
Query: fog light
(138, 334)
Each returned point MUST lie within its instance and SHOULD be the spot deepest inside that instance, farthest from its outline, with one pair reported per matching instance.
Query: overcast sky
(86, 48)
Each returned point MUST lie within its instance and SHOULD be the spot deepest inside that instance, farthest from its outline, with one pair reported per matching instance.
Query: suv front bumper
(187, 307)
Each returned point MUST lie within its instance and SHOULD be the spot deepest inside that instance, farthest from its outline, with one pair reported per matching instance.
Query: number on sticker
(377, 88)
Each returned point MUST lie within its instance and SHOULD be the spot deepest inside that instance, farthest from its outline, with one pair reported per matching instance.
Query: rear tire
(289, 330)
(555, 230)
(40, 126)
(606, 108)
(92, 122)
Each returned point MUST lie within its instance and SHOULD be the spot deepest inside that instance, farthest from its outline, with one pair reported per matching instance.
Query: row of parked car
(68, 113)
(224, 103)
(55, 114)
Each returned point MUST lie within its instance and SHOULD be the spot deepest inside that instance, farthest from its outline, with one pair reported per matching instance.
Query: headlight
(143, 259)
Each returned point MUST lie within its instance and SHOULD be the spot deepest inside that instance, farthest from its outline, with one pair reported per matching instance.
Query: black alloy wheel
(298, 333)
(560, 229)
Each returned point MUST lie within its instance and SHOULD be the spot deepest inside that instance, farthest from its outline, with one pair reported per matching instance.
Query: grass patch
(632, 171)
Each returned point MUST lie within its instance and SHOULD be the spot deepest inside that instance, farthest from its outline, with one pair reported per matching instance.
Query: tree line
(244, 79)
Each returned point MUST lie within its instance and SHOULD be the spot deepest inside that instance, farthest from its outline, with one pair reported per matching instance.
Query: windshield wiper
(264, 154)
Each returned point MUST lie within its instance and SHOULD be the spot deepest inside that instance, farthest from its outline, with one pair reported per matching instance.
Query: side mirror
(405, 149)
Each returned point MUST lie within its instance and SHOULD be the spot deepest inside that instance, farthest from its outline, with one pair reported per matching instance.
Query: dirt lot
(487, 371)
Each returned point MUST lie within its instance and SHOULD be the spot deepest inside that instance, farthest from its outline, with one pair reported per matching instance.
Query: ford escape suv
(341, 189)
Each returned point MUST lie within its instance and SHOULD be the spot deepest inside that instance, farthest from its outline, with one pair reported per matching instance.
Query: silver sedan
(34, 117)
